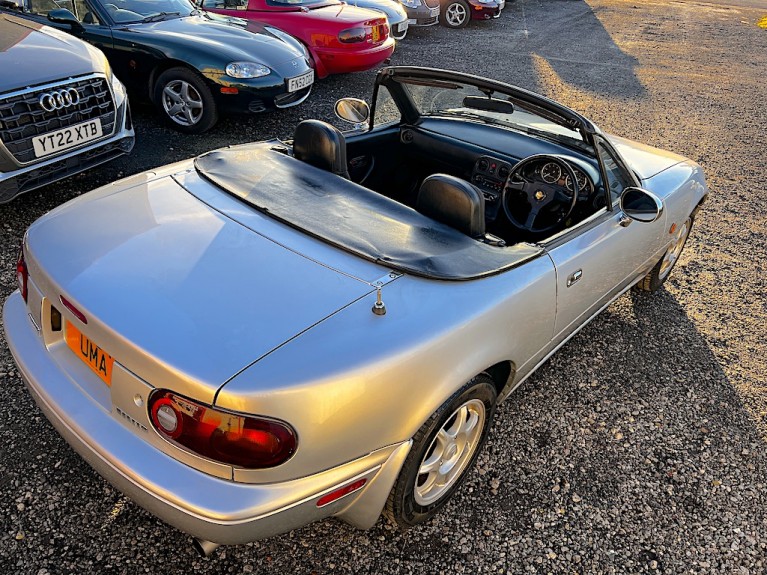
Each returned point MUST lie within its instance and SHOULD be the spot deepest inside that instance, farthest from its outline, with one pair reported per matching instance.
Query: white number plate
(401, 27)
(434, 11)
(301, 81)
(66, 138)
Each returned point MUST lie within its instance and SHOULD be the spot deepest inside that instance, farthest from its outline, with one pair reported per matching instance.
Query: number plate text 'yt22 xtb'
(66, 138)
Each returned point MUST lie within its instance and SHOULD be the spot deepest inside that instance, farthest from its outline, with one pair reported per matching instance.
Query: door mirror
(353, 110)
(641, 205)
(64, 16)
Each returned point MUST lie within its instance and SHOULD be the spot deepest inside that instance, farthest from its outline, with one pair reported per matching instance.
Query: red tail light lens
(22, 274)
(353, 35)
(239, 440)
(372, 31)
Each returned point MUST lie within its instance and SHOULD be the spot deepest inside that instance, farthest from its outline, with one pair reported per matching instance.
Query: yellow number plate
(93, 356)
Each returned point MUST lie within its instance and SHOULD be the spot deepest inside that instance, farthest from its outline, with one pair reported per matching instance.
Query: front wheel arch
(193, 108)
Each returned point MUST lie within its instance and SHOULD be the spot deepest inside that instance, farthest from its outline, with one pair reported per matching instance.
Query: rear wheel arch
(443, 453)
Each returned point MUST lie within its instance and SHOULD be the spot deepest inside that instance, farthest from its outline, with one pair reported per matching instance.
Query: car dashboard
(485, 155)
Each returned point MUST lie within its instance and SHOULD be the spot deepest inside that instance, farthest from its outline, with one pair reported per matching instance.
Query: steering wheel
(536, 204)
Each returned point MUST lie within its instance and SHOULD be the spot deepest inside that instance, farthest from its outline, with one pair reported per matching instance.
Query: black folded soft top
(353, 217)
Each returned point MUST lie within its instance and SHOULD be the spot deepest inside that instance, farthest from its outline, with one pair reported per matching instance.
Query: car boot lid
(178, 293)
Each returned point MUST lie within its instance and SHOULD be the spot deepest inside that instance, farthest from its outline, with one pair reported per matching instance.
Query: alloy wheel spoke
(430, 463)
(185, 92)
(175, 109)
(172, 94)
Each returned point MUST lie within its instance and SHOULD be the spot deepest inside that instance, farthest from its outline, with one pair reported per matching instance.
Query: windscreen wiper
(160, 16)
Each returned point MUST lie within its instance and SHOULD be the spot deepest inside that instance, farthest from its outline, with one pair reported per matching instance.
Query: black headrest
(321, 145)
(454, 202)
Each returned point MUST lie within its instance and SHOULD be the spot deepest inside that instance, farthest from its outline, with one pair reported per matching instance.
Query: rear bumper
(207, 507)
(486, 11)
(423, 15)
(340, 61)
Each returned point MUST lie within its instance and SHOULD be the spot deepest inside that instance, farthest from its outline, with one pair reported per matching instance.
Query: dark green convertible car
(190, 64)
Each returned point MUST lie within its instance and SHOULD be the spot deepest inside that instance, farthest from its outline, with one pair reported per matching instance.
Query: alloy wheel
(456, 14)
(450, 452)
(182, 102)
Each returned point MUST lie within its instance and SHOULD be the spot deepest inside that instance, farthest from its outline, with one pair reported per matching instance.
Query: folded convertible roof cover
(352, 217)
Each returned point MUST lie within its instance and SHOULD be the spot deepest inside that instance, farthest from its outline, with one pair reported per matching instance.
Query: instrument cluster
(552, 173)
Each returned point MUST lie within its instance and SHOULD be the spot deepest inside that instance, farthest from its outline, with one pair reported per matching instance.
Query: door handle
(574, 277)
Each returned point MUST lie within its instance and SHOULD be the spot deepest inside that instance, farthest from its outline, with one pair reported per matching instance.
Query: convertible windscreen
(352, 217)
(480, 104)
(128, 11)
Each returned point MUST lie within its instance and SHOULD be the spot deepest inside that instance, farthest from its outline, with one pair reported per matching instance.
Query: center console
(489, 175)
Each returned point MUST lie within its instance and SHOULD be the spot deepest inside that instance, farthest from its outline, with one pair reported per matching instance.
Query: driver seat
(321, 145)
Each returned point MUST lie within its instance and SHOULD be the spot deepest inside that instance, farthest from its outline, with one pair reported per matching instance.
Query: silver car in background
(62, 110)
(279, 332)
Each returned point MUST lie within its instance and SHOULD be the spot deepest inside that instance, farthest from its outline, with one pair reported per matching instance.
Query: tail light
(22, 274)
(353, 35)
(239, 440)
(372, 31)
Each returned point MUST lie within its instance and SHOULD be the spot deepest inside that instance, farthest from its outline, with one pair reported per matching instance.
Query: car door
(93, 29)
(604, 254)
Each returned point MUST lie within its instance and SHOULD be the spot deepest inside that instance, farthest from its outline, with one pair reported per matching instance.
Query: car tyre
(444, 450)
(185, 101)
(660, 273)
(456, 14)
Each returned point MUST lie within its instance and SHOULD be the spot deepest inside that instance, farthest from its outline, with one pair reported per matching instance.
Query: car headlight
(290, 40)
(117, 87)
(247, 70)
(411, 3)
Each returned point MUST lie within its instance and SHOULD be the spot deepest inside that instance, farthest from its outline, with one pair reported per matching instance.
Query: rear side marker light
(22, 274)
(250, 442)
(339, 493)
(71, 307)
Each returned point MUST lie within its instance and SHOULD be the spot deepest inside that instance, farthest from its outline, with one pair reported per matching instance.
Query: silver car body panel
(326, 364)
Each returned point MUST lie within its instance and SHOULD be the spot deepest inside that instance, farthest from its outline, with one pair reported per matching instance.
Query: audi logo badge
(60, 99)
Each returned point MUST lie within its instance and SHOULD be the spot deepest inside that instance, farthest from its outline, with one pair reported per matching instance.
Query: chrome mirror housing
(641, 205)
(353, 110)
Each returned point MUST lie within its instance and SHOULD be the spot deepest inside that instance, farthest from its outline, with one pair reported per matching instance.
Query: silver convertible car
(279, 332)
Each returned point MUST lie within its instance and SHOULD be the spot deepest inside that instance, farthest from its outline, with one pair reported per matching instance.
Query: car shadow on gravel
(631, 450)
(574, 46)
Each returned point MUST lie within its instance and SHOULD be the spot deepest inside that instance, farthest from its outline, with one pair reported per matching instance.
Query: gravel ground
(639, 448)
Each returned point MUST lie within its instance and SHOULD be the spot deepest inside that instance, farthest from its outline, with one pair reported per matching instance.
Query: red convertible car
(340, 37)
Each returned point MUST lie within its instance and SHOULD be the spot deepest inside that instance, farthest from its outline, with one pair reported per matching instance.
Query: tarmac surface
(639, 448)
